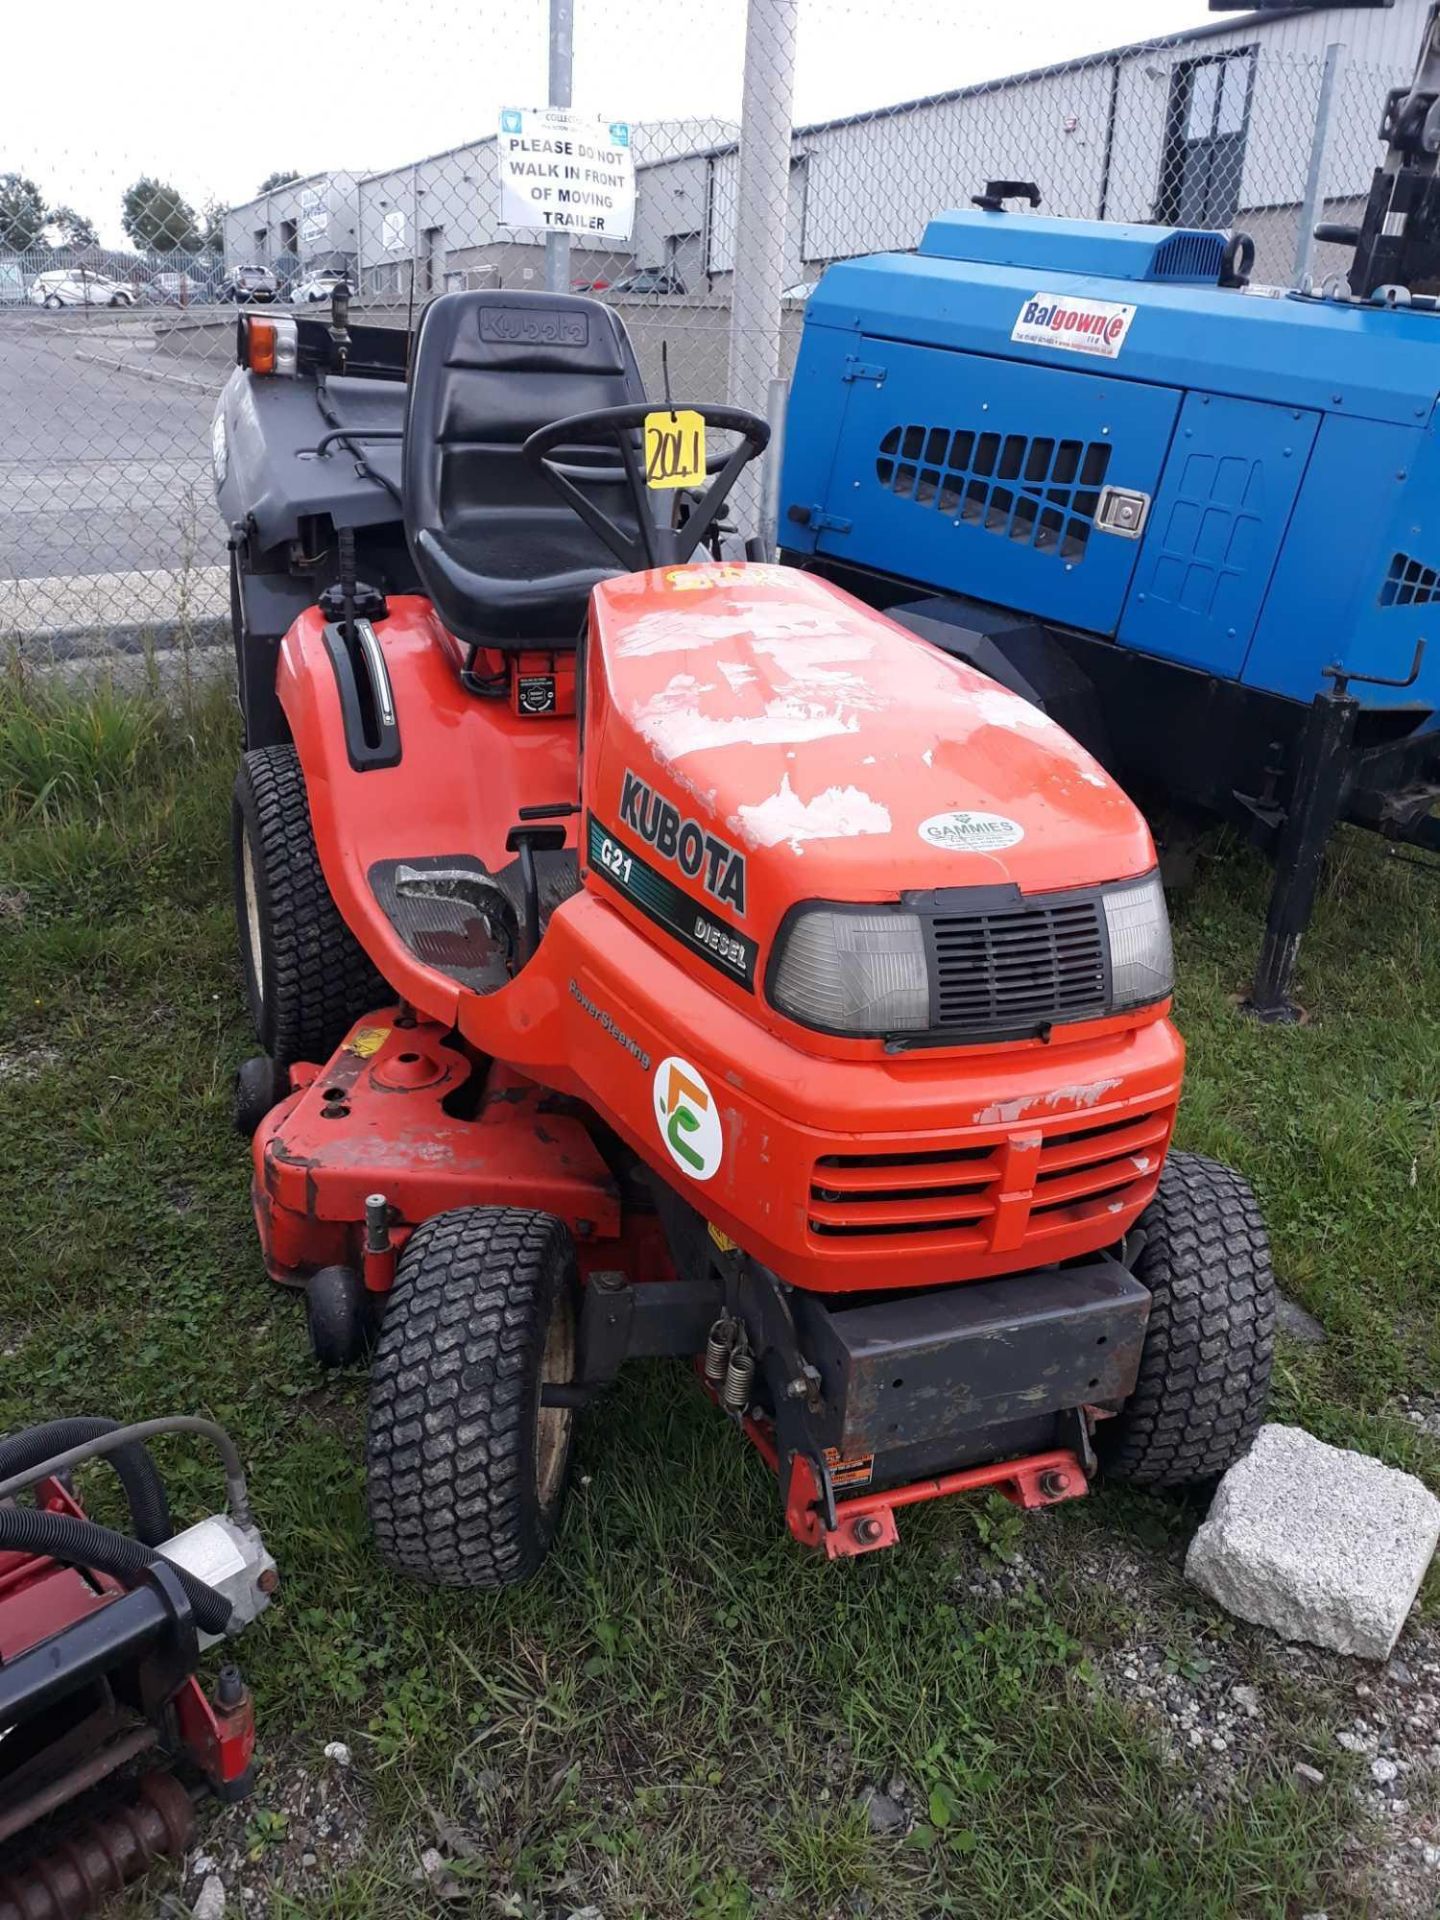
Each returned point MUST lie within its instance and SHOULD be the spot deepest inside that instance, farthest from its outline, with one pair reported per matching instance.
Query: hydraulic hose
(144, 1489)
(80, 1543)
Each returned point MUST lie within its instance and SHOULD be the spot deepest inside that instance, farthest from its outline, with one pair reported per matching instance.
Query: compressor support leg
(1316, 794)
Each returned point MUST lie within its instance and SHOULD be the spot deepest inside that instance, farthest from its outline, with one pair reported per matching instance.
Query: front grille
(1034, 1185)
(1008, 973)
(859, 1195)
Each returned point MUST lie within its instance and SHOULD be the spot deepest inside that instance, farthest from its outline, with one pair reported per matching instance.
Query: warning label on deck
(566, 172)
(857, 1471)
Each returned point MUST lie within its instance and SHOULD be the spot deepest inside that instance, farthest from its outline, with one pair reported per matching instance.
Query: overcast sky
(213, 97)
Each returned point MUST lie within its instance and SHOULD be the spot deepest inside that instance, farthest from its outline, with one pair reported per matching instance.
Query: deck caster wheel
(340, 1315)
(259, 1085)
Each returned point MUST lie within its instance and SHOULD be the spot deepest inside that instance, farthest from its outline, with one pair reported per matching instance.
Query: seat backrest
(505, 561)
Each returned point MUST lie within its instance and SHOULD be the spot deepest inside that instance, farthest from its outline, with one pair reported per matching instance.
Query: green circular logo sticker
(687, 1117)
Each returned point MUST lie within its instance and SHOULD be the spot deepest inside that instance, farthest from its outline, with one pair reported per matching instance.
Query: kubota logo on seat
(697, 852)
(687, 1117)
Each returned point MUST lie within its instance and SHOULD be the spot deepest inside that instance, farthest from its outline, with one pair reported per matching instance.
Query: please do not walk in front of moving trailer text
(566, 172)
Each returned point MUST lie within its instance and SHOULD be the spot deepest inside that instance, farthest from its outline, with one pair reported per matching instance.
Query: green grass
(676, 1717)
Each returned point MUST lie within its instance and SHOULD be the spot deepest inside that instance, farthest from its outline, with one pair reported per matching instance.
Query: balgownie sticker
(686, 1115)
(1077, 326)
(971, 832)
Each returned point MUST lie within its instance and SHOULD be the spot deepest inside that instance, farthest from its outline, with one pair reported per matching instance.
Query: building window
(1205, 133)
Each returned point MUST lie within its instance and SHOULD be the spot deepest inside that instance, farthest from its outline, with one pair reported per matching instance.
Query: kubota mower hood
(761, 738)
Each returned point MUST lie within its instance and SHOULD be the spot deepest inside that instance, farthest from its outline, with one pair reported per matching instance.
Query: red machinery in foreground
(107, 1733)
(656, 955)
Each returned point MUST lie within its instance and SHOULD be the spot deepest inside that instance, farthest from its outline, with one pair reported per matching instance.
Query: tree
(212, 220)
(71, 229)
(280, 179)
(22, 213)
(158, 219)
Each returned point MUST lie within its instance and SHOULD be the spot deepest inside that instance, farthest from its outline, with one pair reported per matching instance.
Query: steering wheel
(652, 545)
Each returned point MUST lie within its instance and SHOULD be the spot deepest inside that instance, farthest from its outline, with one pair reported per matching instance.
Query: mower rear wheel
(307, 978)
(466, 1468)
(1205, 1370)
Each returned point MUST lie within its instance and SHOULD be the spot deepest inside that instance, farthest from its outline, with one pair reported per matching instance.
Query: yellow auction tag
(675, 449)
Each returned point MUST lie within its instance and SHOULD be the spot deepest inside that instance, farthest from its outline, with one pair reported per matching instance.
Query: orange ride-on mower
(106, 1732)
(656, 955)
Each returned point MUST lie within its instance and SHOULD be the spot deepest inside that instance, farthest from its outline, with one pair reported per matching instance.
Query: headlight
(1142, 967)
(849, 971)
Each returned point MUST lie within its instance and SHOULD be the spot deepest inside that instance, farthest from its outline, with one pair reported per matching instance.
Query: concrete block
(1317, 1543)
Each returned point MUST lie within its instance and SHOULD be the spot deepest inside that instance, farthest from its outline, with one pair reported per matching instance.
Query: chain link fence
(110, 359)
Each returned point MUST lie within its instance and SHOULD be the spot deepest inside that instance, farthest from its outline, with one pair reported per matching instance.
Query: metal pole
(562, 72)
(761, 214)
(1315, 174)
(415, 235)
(776, 399)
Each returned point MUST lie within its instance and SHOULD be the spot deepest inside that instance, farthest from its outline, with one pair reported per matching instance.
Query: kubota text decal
(699, 854)
(697, 927)
(686, 1115)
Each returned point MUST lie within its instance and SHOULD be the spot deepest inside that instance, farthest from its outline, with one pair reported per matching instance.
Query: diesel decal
(703, 931)
(632, 1047)
(699, 854)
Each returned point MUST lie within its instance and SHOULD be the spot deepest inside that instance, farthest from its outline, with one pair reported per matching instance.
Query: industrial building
(1213, 127)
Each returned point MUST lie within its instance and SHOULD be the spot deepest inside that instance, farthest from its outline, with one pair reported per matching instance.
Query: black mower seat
(505, 561)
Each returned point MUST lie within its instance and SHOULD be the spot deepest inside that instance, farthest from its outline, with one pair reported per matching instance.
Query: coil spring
(739, 1378)
(718, 1343)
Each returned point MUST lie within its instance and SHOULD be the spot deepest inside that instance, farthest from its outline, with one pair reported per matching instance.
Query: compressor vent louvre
(1189, 256)
(1409, 583)
(1038, 491)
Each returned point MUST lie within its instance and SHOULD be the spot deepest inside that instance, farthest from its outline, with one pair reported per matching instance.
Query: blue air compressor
(1197, 521)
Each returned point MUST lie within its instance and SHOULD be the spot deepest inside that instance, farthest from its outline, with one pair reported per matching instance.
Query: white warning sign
(562, 171)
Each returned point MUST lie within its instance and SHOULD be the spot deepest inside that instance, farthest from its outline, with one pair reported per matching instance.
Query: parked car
(242, 284)
(597, 285)
(187, 289)
(79, 287)
(801, 290)
(649, 280)
(316, 287)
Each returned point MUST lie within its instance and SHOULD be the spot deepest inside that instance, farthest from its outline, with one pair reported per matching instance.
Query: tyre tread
(320, 980)
(1205, 1371)
(453, 1395)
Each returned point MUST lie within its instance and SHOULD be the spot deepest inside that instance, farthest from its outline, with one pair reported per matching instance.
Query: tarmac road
(101, 472)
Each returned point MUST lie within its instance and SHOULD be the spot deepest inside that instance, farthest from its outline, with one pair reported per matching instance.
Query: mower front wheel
(307, 978)
(1205, 1370)
(466, 1468)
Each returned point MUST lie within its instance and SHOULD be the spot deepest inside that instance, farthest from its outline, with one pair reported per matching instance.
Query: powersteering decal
(607, 1022)
(1079, 326)
(965, 832)
(687, 1118)
(709, 934)
(699, 854)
